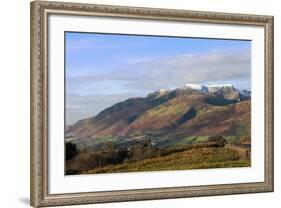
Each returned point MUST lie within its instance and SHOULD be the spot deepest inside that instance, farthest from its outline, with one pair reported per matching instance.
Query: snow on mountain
(245, 93)
(207, 88)
(161, 92)
(216, 88)
(220, 85)
(228, 90)
(158, 93)
(198, 87)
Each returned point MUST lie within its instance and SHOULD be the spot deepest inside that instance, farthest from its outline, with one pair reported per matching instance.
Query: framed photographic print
(143, 103)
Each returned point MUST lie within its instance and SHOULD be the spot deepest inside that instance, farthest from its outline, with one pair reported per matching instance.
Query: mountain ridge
(166, 114)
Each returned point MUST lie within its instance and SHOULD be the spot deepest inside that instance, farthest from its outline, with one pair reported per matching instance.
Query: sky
(102, 69)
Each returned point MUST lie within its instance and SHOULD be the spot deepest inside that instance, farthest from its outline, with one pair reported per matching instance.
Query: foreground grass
(190, 159)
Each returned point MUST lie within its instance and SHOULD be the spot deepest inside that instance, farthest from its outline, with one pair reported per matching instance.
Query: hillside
(191, 127)
(183, 112)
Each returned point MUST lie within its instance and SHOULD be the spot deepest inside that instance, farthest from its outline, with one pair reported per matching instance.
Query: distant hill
(193, 110)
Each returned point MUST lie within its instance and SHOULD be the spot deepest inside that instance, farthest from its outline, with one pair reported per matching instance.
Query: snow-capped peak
(207, 88)
(215, 88)
(198, 87)
(220, 86)
(201, 88)
(159, 93)
(245, 93)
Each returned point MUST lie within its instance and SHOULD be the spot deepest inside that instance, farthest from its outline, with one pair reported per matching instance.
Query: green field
(195, 139)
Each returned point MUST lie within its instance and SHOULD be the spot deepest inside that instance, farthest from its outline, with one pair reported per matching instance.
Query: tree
(70, 150)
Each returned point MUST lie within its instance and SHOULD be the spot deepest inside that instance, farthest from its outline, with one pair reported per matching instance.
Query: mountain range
(164, 115)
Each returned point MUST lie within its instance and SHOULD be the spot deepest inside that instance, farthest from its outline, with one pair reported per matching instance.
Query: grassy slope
(191, 159)
(194, 140)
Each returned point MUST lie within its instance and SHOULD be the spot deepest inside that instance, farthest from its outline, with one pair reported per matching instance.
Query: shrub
(217, 139)
(70, 151)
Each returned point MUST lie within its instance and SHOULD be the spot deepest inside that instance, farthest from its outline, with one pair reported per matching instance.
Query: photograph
(132, 103)
(136, 103)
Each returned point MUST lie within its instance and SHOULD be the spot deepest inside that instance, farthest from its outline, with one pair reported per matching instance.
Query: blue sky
(102, 69)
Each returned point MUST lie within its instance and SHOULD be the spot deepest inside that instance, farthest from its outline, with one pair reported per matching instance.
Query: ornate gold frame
(39, 103)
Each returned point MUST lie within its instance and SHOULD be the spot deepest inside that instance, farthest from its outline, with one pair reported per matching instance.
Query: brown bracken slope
(177, 113)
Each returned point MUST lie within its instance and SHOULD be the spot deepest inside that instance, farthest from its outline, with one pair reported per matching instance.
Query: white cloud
(145, 76)
(221, 66)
